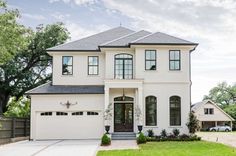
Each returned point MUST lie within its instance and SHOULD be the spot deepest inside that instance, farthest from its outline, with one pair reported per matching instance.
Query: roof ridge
(89, 36)
(120, 38)
(142, 38)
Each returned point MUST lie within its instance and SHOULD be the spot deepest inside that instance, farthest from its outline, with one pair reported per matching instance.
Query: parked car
(220, 128)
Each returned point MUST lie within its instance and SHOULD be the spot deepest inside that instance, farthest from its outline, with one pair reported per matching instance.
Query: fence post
(25, 127)
(13, 127)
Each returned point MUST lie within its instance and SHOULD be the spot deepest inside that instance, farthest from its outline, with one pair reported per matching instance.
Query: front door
(123, 117)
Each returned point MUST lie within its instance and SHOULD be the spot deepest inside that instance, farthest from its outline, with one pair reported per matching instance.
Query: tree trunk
(3, 102)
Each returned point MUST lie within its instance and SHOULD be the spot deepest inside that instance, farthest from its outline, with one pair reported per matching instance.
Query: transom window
(151, 111)
(208, 111)
(67, 65)
(93, 65)
(174, 58)
(61, 113)
(92, 113)
(150, 60)
(77, 113)
(175, 111)
(123, 66)
(46, 114)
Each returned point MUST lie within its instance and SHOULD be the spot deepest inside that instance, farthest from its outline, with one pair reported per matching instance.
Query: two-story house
(137, 73)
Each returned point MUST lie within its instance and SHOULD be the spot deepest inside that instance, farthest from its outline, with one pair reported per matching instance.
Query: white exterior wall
(217, 116)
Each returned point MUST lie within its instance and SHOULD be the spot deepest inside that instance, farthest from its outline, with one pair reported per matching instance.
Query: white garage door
(69, 125)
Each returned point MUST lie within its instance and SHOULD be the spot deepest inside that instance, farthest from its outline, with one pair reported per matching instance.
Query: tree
(193, 123)
(31, 67)
(12, 35)
(231, 110)
(222, 94)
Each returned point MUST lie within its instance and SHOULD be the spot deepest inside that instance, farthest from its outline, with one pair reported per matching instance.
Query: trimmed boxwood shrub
(175, 132)
(105, 140)
(150, 133)
(171, 137)
(141, 139)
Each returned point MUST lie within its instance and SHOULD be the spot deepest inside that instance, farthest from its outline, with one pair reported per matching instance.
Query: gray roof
(124, 41)
(120, 37)
(91, 43)
(48, 88)
(161, 38)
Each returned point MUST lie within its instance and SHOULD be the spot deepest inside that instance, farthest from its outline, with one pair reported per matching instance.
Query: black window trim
(123, 78)
(150, 59)
(94, 65)
(146, 111)
(69, 65)
(179, 112)
(175, 60)
(208, 112)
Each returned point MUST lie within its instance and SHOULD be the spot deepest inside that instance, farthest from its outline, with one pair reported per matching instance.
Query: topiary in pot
(141, 139)
(105, 140)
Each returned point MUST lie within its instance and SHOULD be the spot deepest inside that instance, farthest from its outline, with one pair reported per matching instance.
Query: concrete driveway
(51, 148)
(227, 138)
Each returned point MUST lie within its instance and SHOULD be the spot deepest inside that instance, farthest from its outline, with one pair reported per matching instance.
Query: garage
(69, 125)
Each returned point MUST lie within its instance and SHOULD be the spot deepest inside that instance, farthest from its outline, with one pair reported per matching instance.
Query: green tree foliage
(222, 94)
(231, 110)
(13, 36)
(18, 108)
(193, 123)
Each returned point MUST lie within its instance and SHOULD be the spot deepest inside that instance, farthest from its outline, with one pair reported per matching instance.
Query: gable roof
(48, 88)
(198, 105)
(120, 37)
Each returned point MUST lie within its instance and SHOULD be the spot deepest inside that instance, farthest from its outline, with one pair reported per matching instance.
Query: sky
(211, 23)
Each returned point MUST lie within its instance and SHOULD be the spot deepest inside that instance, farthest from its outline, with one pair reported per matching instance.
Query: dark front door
(123, 114)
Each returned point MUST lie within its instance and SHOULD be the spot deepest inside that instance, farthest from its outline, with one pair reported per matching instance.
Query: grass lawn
(194, 148)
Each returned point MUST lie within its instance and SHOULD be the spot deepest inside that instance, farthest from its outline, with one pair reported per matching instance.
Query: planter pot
(140, 128)
(107, 128)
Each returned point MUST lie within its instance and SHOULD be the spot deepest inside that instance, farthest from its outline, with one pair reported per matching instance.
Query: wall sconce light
(68, 104)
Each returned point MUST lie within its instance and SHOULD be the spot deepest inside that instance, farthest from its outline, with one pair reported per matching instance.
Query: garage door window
(61, 113)
(77, 113)
(46, 114)
(92, 113)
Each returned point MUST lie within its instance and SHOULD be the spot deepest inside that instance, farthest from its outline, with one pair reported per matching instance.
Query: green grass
(194, 148)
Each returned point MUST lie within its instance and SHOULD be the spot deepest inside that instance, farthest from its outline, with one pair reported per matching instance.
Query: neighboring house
(211, 115)
(130, 70)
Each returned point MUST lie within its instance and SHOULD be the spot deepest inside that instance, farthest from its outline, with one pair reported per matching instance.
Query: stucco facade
(161, 83)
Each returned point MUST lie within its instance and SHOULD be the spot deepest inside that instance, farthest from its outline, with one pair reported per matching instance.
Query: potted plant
(138, 116)
(108, 117)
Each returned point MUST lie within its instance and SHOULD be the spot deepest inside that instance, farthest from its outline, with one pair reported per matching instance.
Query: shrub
(141, 139)
(163, 133)
(150, 133)
(193, 123)
(176, 132)
(105, 140)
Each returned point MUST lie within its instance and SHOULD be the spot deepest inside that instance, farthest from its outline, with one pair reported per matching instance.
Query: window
(77, 113)
(174, 58)
(123, 66)
(175, 111)
(92, 113)
(208, 111)
(67, 65)
(46, 114)
(150, 60)
(93, 65)
(151, 111)
(62, 113)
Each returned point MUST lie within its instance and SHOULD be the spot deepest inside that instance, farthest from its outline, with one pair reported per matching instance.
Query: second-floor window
(208, 111)
(150, 60)
(67, 65)
(174, 58)
(93, 65)
(123, 66)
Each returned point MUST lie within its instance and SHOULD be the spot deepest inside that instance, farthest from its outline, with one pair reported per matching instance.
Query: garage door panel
(69, 126)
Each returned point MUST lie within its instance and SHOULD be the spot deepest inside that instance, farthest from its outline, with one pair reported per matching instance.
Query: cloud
(60, 16)
(77, 2)
(33, 16)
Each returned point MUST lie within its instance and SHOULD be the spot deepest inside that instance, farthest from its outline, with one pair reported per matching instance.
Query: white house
(129, 70)
(211, 115)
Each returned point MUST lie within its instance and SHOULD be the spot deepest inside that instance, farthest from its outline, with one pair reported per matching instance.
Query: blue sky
(211, 23)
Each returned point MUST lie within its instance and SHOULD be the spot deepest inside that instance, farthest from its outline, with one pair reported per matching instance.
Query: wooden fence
(14, 127)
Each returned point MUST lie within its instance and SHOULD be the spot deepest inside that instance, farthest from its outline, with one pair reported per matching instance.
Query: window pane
(177, 65)
(172, 55)
(175, 111)
(148, 55)
(153, 55)
(177, 56)
(151, 116)
(67, 65)
(172, 65)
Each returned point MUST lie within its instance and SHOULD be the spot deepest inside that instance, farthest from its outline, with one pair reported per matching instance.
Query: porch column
(140, 102)
(215, 123)
(231, 125)
(106, 100)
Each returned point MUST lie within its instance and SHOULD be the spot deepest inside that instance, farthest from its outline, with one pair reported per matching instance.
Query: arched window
(175, 111)
(151, 111)
(123, 66)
